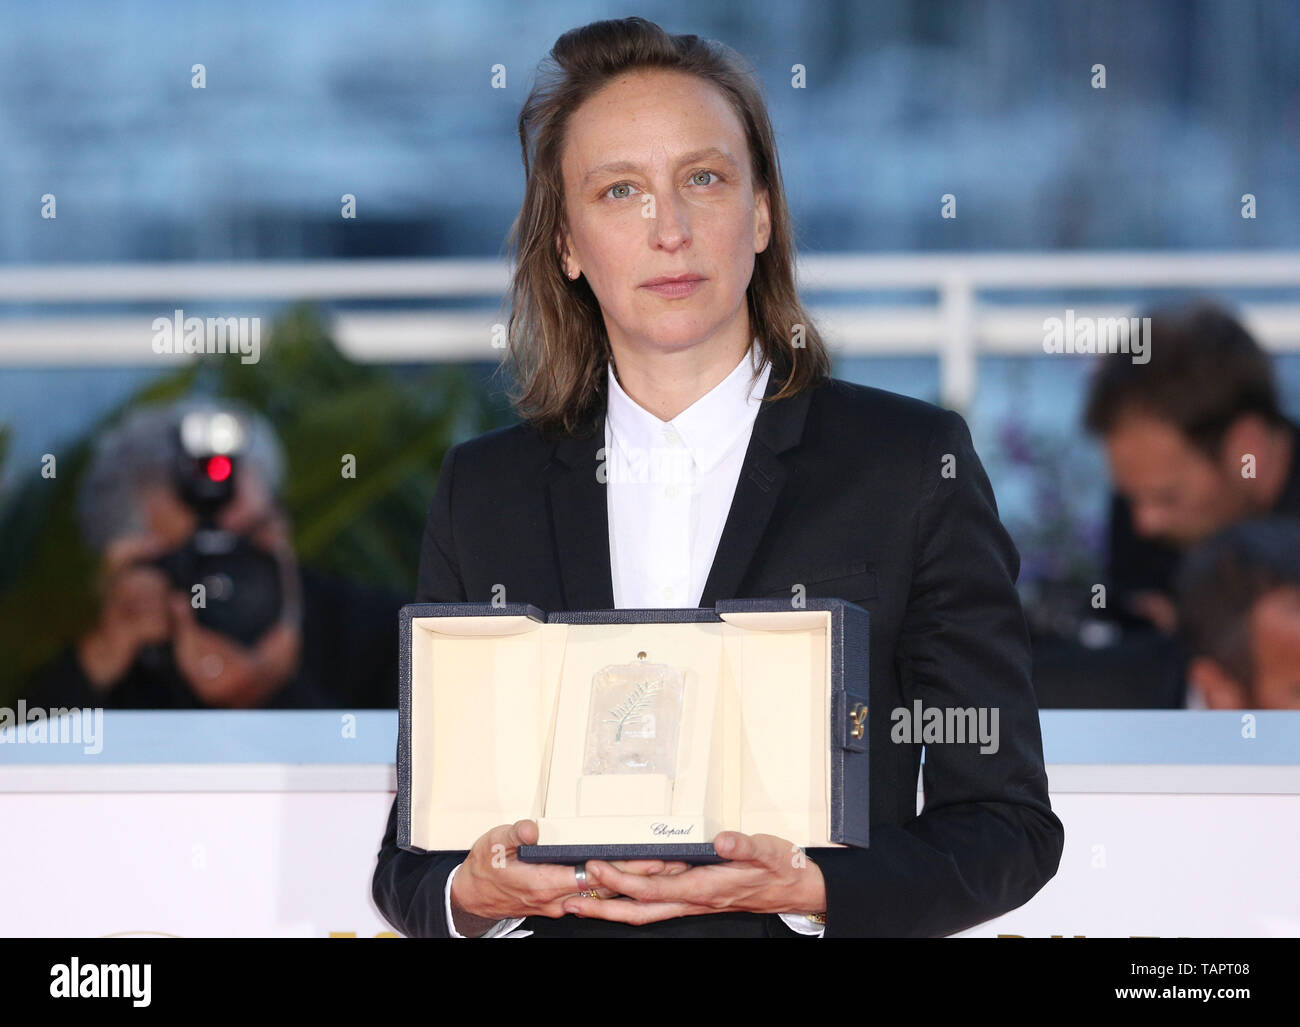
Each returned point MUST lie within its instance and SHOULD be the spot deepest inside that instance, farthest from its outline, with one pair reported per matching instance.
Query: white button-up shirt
(670, 485)
(669, 488)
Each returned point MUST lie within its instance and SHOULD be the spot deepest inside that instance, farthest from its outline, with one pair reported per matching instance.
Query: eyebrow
(619, 167)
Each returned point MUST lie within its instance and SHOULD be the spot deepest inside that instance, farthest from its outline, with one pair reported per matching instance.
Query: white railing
(953, 318)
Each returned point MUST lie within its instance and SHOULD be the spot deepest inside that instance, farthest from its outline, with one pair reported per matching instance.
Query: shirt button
(672, 436)
(671, 492)
(668, 592)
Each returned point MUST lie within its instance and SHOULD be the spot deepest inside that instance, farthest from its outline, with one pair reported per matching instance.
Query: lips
(672, 279)
(673, 287)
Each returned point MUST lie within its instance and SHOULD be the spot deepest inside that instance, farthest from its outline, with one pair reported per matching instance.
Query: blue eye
(703, 171)
(620, 185)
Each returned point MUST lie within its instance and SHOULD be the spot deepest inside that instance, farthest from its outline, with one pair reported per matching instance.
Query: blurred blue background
(905, 101)
(389, 101)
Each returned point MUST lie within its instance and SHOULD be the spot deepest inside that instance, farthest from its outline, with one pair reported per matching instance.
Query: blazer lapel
(580, 519)
(778, 427)
(580, 515)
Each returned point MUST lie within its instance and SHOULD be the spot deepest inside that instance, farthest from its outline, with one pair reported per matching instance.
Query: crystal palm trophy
(634, 718)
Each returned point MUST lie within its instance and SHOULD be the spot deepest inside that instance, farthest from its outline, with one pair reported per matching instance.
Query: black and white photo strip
(512, 471)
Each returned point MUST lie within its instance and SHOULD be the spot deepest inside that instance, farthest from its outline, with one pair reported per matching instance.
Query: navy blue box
(848, 813)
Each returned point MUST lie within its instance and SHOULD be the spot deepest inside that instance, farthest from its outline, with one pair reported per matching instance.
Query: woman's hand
(492, 884)
(763, 874)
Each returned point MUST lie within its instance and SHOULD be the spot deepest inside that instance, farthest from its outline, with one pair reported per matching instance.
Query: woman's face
(657, 183)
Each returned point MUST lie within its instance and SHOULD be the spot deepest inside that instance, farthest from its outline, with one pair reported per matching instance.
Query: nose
(1149, 520)
(669, 226)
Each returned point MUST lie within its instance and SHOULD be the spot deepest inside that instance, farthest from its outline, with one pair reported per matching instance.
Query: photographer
(1196, 440)
(202, 600)
(1238, 610)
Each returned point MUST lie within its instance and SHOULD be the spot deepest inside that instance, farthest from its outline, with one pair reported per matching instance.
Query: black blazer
(844, 490)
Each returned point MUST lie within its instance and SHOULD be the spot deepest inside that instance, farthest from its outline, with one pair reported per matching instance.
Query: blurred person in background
(1195, 440)
(1238, 606)
(202, 600)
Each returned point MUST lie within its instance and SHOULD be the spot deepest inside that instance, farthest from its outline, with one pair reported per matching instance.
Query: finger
(211, 642)
(522, 832)
(192, 654)
(192, 634)
(122, 552)
(686, 887)
(739, 847)
(642, 867)
(137, 591)
(182, 611)
(558, 878)
(555, 908)
(143, 589)
(184, 626)
(638, 866)
(279, 646)
(137, 606)
(629, 912)
(649, 867)
(585, 892)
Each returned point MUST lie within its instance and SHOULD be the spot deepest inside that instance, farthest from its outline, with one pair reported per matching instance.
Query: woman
(655, 315)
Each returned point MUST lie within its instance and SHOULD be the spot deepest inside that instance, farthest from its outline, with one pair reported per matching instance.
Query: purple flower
(1014, 440)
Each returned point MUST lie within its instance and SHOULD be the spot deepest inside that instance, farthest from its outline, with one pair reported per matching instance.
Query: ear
(563, 247)
(1219, 689)
(762, 221)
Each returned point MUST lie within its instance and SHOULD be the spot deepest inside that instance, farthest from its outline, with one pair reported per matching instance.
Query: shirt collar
(708, 427)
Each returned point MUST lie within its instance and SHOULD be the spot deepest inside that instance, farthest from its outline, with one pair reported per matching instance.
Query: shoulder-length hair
(556, 341)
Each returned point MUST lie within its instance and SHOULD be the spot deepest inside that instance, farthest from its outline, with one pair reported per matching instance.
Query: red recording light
(218, 468)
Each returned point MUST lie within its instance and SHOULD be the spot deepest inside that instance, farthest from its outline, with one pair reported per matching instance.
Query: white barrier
(954, 318)
(262, 850)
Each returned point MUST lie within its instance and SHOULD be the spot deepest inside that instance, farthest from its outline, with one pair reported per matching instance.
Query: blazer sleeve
(987, 839)
(408, 888)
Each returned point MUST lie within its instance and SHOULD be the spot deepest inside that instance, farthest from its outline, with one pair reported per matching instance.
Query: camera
(242, 589)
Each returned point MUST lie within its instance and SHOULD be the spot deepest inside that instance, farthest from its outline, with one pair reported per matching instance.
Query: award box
(633, 733)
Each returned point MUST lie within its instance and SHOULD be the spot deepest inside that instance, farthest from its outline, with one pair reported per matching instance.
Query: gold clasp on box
(858, 715)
